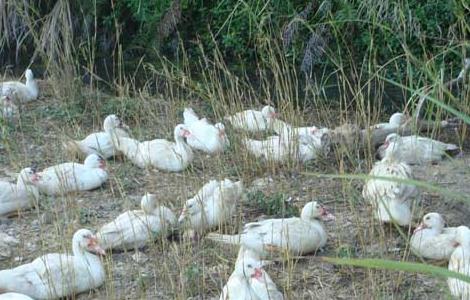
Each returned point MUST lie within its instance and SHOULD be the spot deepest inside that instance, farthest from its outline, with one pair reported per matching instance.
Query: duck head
(314, 210)
(181, 131)
(269, 112)
(432, 221)
(85, 240)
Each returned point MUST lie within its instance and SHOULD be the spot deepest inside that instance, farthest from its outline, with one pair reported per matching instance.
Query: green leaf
(371, 263)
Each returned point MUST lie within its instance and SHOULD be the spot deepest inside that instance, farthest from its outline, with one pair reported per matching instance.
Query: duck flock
(61, 275)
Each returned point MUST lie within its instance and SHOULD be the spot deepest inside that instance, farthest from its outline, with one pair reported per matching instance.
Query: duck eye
(249, 266)
(427, 218)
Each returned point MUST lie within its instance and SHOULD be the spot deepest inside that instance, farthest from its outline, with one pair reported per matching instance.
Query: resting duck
(205, 136)
(460, 262)
(72, 177)
(134, 229)
(23, 194)
(390, 199)
(249, 280)
(22, 92)
(415, 149)
(213, 205)
(59, 275)
(9, 109)
(295, 235)
(431, 240)
(395, 121)
(282, 148)
(101, 143)
(14, 296)
(160, 153)
(282, 128)
(253, 120)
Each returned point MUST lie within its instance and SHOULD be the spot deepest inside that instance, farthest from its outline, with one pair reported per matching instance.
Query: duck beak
(35, 177)
(274, 115)
(258, 274)
(421, 226)
(385, 144)
(313, 130)
(326, 215)
(93, 246)
(186, 133)
(182, 217)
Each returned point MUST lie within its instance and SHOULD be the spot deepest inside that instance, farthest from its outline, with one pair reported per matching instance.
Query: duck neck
(32, 87)
(181, 146)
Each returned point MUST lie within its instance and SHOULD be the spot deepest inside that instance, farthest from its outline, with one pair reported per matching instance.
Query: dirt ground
(184, 269)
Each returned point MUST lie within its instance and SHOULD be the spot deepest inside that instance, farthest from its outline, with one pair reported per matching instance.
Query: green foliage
(392, 265)
(272, 205)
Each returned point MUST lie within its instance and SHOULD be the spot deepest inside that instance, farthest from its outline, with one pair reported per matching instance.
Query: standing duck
(59, 275)
(390, 199)
(415, 149)
(160, 153)
(72, 177)
(24, 92)
(460, 262)
(249, 280)
(431, 240)
(295, 235)
(213, 205)
(253, 120)
(23, 194)
(134, 229)
(204, 136)
(101, 143)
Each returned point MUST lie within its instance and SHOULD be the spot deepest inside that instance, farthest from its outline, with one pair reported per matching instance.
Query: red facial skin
(258, 274)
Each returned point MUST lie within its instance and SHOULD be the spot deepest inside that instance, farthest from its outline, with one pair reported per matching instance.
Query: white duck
(460, 262)
(431, 240)
(213, 205)
(9, 109)
(415, 149)
(59, 275)
(134, 229)
(103, 142)
(7, 245)
(72, 177)
(23, 194)
(14, 296)
(395, 121)
(283, 128)
(23, 92)
(295, 235)
(159, 153)
(282, 148)
(249, 281)
(253, 120)
(204, 136)
(390, 199)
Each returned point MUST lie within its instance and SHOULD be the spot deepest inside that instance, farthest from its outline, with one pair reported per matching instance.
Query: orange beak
(186, 133)
(35, 177)
(326, 215)
(93, 246)
(420, 227)
(258, 274)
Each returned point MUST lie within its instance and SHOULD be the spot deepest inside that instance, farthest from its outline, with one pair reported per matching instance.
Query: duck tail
(224, 238)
